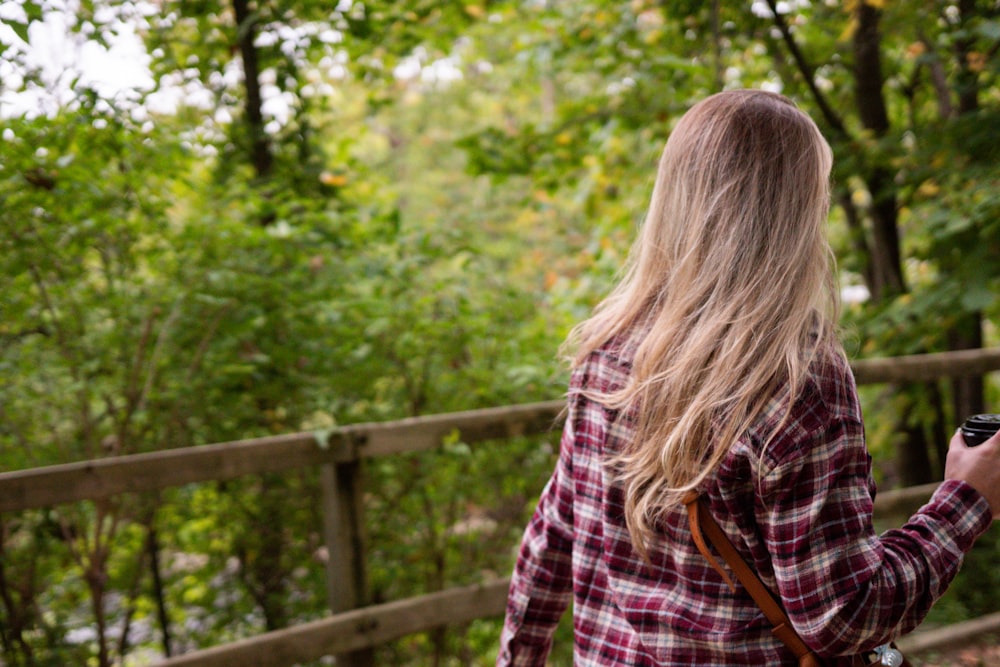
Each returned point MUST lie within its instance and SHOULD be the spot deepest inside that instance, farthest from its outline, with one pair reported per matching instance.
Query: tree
(884, 157)
(86, 328)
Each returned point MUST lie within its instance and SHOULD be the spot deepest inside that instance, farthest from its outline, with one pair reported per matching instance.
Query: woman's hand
(979, 466)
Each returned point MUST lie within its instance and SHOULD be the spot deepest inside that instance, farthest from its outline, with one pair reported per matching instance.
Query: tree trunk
(968, 80)
(968, 397)
(268, 569)
(95, 585)
(886, 265)
(967, 392)
(868, 70)
(885, 270)
(717, 67)
(886, 262)
(246, 32)
(17, 615)
(912, 454)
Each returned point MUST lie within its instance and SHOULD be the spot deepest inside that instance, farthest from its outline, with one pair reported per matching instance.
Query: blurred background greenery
(308, 215)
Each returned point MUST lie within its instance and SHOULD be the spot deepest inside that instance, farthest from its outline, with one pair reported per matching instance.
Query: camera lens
(978, 428)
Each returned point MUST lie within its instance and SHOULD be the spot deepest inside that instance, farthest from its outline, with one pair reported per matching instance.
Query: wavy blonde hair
(727, 294)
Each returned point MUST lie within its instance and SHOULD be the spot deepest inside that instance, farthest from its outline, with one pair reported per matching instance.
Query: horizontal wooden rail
(923, 367)
(902, 503)
(951, 636)
(361, 628)
(100, 478)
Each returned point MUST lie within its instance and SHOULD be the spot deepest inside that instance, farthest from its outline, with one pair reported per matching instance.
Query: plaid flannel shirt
(799, 511)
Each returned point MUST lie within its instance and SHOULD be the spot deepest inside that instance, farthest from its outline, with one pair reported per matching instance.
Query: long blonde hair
(727, 294)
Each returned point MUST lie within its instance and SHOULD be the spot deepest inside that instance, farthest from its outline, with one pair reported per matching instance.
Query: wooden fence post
(343, 522)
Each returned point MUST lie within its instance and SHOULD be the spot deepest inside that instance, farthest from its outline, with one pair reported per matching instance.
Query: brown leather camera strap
(703, 524)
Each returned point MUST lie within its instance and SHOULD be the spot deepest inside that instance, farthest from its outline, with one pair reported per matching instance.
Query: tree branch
(808, 73)
(938, 80)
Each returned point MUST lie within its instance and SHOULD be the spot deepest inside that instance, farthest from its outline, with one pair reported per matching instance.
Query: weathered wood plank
(51, 485)
(897, 504)
(347, 560)
(100, 478)
(950, 636)
(921, 367)
(354, 630)
(420, 433)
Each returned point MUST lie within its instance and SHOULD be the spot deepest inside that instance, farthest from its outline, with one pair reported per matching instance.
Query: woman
(713, 365)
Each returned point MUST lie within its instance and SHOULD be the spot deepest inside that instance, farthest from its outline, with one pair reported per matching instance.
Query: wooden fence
(352, 632)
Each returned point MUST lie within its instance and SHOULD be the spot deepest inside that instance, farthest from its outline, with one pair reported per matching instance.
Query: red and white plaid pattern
(799, 512)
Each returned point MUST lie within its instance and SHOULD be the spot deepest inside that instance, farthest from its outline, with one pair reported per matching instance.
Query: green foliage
(82, 196)
(432, 524)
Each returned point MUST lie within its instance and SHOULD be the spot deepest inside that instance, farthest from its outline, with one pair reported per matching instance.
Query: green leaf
(21, 29)
(990, 30)
(323, 438)
(978, 297)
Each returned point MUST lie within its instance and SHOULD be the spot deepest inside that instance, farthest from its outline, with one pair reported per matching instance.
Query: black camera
(977, 429)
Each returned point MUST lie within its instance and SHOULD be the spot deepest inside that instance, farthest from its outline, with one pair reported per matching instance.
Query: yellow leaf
(928, 188)
(475, 11)
(849, 31)
(861, 198)
(564, 138)
(915, 50)
(977, 61)
(336, 180)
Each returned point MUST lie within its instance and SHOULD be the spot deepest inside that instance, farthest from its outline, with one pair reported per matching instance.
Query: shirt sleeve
(542, 583)
(845, 588)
